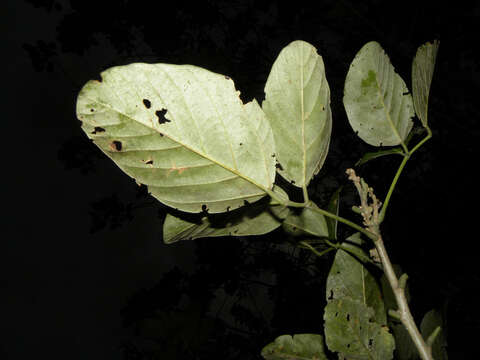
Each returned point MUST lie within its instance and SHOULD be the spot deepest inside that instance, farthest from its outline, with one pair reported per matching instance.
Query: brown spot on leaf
(116, 145)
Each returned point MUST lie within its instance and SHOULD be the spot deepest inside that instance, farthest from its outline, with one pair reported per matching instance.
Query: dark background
(84, 271)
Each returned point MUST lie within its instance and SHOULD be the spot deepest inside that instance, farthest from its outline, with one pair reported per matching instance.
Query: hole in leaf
(161, 134)
(161, 116)
(149, 162)
(204, 207)
(245, 202)
(370, 342)
(92, 110)
(116, 145)
(330, 296)
(241, 144)
(348, 317)
(279, 166)
(147, 103)
(336, 314)
(348, 345)
(406, 93)
(98, 129)
(273, 155)
(228, 208)
(293, 181)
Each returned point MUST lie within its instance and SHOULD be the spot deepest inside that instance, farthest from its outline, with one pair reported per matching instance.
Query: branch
(369, 210)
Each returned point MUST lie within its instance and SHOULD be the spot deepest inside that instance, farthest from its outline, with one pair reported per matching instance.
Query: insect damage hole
(147, 103)
(161, 116)
(97, 129)
(116, 145)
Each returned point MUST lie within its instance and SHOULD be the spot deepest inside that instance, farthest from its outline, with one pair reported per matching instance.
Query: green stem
(315, 251)
(399, 171)
(392, 187)
(429, 135)
(305, 194)
(344, 221)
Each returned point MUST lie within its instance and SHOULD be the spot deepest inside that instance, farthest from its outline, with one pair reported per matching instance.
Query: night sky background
(84, 273)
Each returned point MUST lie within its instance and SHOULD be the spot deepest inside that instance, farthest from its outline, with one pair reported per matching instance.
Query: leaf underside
(376, 99)
(184, 132)
(422, 73)
(254, 219)
(350, 278)
(297, 104)
(349, 330)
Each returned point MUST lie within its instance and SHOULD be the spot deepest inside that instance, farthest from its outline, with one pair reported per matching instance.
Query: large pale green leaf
(254, 219)
(376, 98)
(348, 278)
(350, 330)
(422, 73)
(430, 322)
(306, 222)
(298, 347)
(297, 104)
(183, 131)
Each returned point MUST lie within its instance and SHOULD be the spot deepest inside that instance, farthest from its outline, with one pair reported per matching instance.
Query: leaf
(254, 219)
(308, 222)
(429, 323)
(298, 347)
(348, 278)
(297, 104)
(183, 131)
(422, 74)
(376, 98)
(349, 329)
(376, 154)
(333, 207)
(352, 246)
(404, 347)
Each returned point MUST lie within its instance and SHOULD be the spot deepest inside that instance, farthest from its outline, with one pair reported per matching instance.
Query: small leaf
(298, 347)
(182, 131)
(308, 222)
(422, 74)
(350, 330)
(429, 323)
(297, 104)
(376, 154)
(248, 220)
(376, 98)
(349, 278)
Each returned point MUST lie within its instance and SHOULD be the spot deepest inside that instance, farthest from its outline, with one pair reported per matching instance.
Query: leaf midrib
(264, 189)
